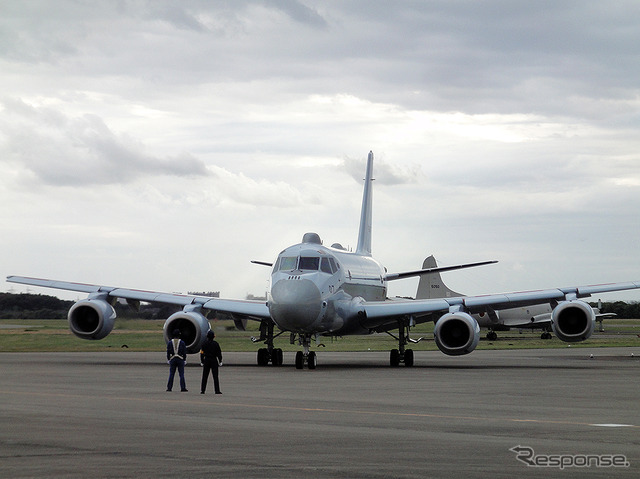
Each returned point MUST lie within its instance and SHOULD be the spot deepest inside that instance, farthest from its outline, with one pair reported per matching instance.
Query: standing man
(211, 358)
(177, 357)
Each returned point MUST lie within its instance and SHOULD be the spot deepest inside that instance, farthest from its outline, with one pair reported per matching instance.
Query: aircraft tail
(431, 285)
(364, 234)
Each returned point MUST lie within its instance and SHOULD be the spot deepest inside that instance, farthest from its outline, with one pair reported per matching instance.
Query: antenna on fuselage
(364, 234)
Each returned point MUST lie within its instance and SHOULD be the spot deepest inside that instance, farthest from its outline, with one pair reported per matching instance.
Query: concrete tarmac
(79, 415)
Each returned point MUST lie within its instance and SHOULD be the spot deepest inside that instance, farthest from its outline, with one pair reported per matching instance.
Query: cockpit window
(325, 267)
(329, 265)
(309, 263)
(288, 263)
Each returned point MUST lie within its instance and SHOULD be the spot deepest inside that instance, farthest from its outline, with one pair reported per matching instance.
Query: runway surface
(78, 415)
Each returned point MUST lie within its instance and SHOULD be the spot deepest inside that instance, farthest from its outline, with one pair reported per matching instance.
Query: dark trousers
(213, 367)
(179, 364)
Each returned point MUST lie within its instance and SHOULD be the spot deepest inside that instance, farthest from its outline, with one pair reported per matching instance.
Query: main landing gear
(269, 354)
(307, 357)
(274, 356)
(402, 355)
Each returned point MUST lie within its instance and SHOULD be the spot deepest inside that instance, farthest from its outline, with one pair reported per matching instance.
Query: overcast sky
(163, 145)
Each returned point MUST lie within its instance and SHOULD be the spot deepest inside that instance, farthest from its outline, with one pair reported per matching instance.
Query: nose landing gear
(269, 354)
(307, 357)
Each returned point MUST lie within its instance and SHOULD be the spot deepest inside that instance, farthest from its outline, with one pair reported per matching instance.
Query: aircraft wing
(244, 308)
(378, 313)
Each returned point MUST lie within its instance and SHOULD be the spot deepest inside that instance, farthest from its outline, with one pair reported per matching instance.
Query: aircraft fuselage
(312, 286)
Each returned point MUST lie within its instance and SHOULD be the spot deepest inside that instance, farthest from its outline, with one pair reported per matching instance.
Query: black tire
(312, 360)
(263, 357)
(394, 358)
(408, 357)
(276, 357)
(299, 360)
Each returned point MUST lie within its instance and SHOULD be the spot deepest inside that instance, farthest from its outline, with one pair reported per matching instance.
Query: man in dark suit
(211, 358)
(176, 357)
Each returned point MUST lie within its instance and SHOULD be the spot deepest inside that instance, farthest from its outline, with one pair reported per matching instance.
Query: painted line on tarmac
(612, 425)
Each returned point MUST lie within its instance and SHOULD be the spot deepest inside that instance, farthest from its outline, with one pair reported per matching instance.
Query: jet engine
(573, 321)
(92, 318)
(456, 334)
(193, 327)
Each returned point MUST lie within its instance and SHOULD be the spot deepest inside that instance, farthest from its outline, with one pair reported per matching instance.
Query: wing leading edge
(377, 313)
(245, 308)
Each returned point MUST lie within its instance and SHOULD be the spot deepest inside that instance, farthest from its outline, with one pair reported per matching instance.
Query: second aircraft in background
(536, 316)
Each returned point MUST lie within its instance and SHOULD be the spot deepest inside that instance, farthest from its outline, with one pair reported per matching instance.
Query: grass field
(144, 335)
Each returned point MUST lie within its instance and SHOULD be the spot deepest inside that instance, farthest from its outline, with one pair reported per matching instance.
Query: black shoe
(184, 390)
(201, 392)
(168, 390)
(218, 392)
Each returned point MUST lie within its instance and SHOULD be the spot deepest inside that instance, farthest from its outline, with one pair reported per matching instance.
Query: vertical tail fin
(364, 234)
(431, 285)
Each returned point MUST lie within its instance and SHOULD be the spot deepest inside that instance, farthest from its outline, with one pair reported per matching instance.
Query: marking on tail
(431, 285)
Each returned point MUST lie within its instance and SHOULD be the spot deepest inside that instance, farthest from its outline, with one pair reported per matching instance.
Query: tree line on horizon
(42, 306)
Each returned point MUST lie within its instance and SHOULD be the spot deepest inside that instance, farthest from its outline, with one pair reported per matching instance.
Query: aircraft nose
(295, 304)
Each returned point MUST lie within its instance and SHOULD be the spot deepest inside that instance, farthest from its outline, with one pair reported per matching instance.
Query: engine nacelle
(91, 318)
(573, 321)
(193, 327)
(456, 334)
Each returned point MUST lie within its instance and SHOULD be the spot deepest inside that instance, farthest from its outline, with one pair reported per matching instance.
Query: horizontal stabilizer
(420, 272)
(263, 263)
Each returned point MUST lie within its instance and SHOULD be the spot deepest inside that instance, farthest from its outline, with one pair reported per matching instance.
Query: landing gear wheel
(394, 358)
(312, 360)
(299, 360)
(263, 357)
(492, 336)
(546, 335)
(277, 357)
(408, 358)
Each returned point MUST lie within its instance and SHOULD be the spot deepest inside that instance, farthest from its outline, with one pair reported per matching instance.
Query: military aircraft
(317, 291)
(535, 316)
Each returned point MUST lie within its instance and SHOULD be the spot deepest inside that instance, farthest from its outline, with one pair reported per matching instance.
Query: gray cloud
(80, 151)
(299, 12)
(385, 173)
(479, 57)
